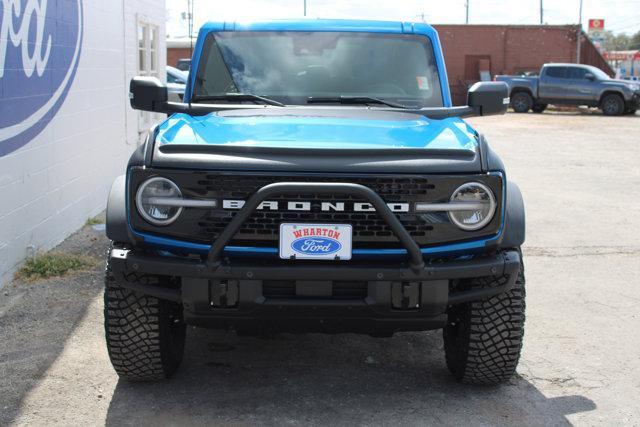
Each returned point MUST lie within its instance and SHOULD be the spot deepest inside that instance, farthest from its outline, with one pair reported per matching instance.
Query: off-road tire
(539, 108)
(612, 105)
(521, 102)
(145, 335)
(483, 339)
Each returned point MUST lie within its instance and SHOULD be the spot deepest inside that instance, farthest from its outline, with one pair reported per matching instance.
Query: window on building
(148, 49)
(148, 59)
(142, 52)
(153, 50)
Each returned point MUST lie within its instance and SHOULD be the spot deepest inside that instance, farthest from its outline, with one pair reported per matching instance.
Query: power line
(636, 25)
(626, 2)
(626, 20)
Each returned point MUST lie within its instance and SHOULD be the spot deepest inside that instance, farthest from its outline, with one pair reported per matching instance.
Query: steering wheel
(386, 88)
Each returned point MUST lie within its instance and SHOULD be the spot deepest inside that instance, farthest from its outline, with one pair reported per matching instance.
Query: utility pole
(579, 35)
(305, 7)
(541, 13)
(467, 17)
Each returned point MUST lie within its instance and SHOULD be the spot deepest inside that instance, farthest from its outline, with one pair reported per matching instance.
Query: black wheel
(612, 105)
(145, 335)
(539, 108)
(483, 339)
(521, 102)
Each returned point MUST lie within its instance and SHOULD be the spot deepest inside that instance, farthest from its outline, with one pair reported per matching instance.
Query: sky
(619, 15)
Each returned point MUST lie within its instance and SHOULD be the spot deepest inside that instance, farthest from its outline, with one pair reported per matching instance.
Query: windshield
(291, 67)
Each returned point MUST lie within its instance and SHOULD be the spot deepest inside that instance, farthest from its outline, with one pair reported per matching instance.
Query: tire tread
(486, 349)
(136, 331)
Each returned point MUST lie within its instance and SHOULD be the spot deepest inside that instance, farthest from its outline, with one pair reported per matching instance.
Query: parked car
(176, 83)
(290, 192)
(184, 65)
(572, 84)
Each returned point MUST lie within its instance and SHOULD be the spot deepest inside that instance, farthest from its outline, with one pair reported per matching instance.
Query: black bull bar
(294, 188)
(505, 263)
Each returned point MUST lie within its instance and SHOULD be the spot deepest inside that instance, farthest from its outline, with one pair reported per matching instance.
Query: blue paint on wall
(40, 46)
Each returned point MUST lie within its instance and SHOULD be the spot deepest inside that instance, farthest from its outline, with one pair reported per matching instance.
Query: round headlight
(151, 206)
(477, 206)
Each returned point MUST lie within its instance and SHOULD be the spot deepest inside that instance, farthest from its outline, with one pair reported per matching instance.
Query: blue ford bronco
(316, 178)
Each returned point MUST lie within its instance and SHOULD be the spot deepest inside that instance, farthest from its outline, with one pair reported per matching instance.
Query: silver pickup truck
(572, 84)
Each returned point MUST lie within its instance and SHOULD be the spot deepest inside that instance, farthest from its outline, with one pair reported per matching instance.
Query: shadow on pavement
(36, 320)
(329, 380)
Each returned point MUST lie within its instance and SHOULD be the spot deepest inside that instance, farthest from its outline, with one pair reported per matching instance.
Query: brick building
(509, 49)
(497, 49)
(177, 49)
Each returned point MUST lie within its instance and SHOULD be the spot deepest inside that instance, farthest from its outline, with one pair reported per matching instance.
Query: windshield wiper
(233, 96)
(352, 100)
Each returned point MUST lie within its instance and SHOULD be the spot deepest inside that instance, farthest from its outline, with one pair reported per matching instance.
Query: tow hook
(405, 295)
(224, 294)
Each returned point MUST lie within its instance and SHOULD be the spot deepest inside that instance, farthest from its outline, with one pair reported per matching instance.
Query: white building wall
(50, 186)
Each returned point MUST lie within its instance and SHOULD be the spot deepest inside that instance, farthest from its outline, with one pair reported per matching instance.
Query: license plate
(315, 241)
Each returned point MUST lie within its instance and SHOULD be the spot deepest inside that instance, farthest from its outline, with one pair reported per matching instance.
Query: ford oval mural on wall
(40, 45)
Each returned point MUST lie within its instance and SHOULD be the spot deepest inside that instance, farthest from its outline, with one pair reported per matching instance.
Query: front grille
(367, 226)
(262, 228)
(342, 290)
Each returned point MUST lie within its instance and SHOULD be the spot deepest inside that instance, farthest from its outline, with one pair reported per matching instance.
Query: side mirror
(148, 94)
(488, 98)
(589, 77)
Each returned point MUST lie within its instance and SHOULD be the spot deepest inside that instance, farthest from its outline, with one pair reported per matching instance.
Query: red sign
(596, 25)
(622, 56)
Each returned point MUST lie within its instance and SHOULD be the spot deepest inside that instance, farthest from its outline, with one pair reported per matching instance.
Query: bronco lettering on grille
(307, 207)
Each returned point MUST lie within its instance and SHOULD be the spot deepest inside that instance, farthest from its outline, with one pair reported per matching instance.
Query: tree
(613, 41)
(634, 42)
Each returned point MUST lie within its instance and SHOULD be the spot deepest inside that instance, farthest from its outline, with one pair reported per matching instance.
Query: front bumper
(327, 296)
(394, 297)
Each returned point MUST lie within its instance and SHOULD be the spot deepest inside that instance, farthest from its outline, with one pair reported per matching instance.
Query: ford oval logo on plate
(315, 241)
(40, 44)
(316, 246)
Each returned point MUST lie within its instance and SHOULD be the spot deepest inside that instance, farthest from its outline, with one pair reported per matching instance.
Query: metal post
(305, 7)
(579, 35)
(541, 13)
(467, 17)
